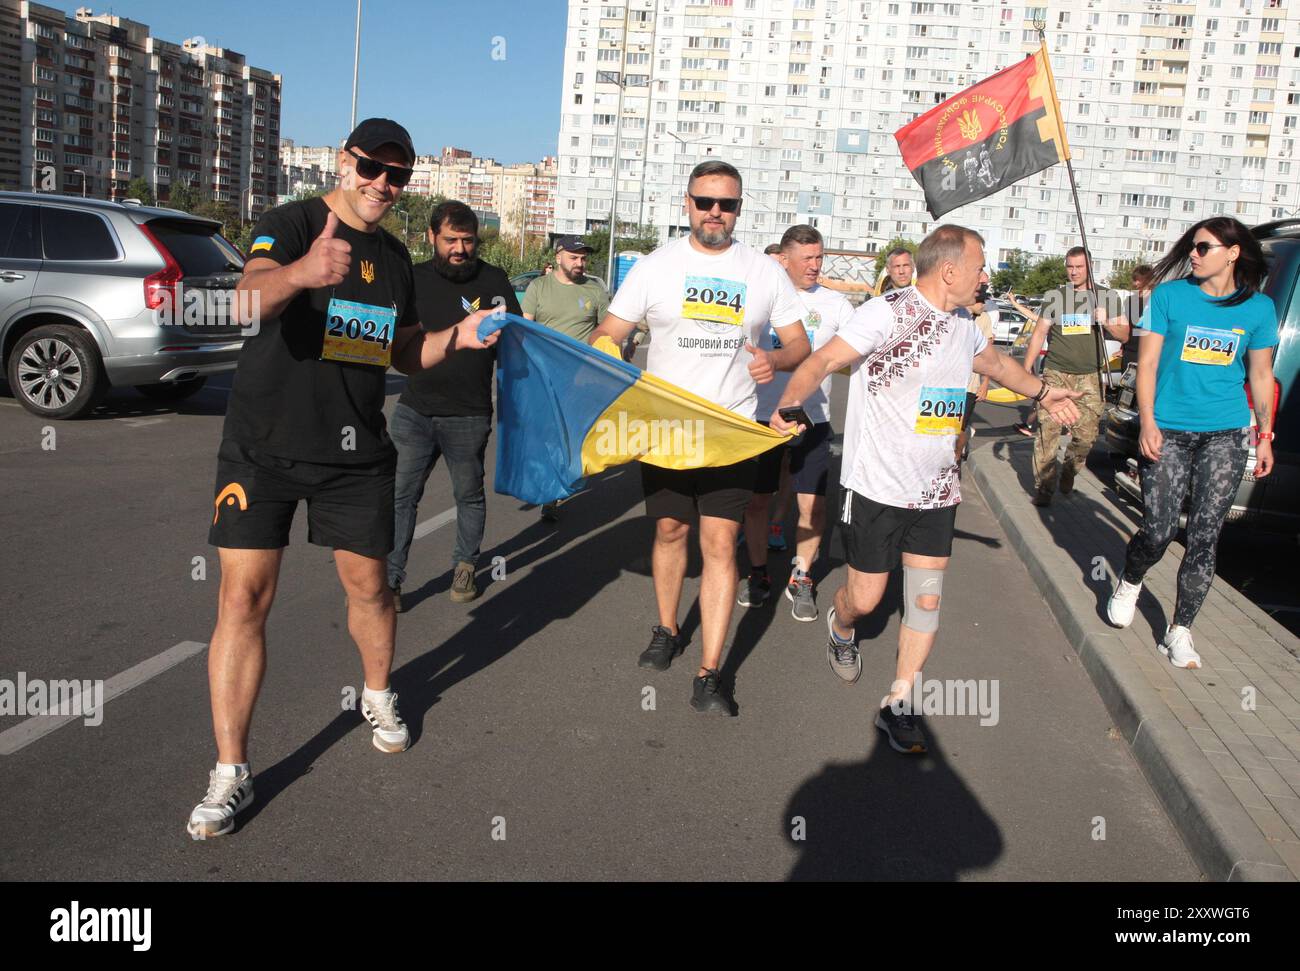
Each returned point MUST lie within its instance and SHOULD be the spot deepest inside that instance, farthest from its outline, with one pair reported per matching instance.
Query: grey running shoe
(843, 658)
(754, 591)
(799, 591)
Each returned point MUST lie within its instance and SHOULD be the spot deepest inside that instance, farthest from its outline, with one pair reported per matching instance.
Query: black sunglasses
(1203, 247)
(371, 169)
(706, 204)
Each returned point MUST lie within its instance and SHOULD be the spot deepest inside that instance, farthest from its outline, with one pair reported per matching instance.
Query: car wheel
(173, 390)
(55, 372)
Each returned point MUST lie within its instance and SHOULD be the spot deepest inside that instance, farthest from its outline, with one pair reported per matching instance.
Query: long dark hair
(1247, 274)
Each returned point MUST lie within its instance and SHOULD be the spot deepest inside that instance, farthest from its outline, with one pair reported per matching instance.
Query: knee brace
(919, 582)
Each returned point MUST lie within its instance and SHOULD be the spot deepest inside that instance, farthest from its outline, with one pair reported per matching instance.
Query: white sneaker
(1123, 603)
(226, 796)
(390, 732)
(1177, 646)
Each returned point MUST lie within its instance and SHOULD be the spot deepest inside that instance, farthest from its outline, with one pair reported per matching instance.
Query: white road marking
(141, 422)
(24, 733)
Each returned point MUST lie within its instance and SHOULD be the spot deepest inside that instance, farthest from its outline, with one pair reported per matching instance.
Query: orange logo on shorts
(230, 495)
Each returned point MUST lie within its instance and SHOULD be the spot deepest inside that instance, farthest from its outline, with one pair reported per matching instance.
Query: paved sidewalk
(1227, 770)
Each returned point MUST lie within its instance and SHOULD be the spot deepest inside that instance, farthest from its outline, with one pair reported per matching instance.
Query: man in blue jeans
(447, 410)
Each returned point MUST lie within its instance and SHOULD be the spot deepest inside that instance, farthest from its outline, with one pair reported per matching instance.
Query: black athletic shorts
(876, 535)
(810, 460)
(769, 468)
(349, 507)
(722, 492)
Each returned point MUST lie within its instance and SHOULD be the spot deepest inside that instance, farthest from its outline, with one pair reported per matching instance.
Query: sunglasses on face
(371, 169)
(1201, 248)
(706, 204)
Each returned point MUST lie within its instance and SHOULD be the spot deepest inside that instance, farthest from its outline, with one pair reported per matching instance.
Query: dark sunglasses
(706, 204)
(371, 169)
(1203, 247)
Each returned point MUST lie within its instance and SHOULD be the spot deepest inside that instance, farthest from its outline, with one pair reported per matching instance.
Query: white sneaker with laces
(390, 732)
(226, 796)
(1177, 646)
(1123, 603)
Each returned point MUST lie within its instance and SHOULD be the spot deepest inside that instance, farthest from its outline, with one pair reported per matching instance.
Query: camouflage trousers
(1211, 464)
(1082, 435)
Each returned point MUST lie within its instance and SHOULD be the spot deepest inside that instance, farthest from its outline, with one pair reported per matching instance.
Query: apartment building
(514, 195)
(103, 102)
(1174, 112)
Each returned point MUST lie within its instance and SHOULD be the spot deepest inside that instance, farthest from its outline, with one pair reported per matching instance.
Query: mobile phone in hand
(795, 415)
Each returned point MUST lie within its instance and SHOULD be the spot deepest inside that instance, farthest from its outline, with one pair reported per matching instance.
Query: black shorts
(810, 460)
(876, 535)
(349, 507)
(769, 468)
(679, 494)
(971, 396)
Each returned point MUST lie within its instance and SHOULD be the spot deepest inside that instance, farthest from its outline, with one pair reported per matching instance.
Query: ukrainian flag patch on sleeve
(262, 243)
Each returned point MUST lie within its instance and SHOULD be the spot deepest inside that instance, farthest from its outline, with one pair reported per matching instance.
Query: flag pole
(1103, 369)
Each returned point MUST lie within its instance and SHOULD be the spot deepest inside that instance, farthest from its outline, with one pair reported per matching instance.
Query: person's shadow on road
(890, 817)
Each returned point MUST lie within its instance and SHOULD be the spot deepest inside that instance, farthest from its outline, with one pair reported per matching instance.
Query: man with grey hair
(911, 356)
(898, 269)
(707, 301)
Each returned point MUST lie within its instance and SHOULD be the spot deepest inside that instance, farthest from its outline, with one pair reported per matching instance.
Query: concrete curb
(1220, 835)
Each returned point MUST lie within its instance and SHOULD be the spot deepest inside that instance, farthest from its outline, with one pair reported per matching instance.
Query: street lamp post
(356, 67)
(83, 181)
(681, 143)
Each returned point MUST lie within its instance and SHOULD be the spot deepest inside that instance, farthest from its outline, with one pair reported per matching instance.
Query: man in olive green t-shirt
(567, 300)
(1070, 315)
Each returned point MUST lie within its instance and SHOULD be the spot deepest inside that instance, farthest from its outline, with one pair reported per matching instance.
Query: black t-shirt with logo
(462, 383)
(288, 402)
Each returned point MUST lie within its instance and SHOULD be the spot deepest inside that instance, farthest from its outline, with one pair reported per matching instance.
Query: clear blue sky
(426, 63)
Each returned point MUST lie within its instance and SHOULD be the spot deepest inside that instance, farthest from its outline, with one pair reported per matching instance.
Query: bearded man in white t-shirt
(910, 356)
(809, 455)
(707, 301)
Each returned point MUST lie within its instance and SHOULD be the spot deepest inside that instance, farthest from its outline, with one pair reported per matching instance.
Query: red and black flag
(988, 137)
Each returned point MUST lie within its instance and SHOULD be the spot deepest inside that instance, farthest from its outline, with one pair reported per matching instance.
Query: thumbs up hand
(327, 262)
(760, 368)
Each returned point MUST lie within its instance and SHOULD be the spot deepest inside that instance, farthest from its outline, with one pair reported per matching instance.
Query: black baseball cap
(374, 132)
(572, 244)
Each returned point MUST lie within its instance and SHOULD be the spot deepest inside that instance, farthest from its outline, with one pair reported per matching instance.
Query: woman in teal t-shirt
(1201, 335)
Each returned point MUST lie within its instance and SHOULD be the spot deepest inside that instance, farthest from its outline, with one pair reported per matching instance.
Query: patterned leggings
(1214, 462)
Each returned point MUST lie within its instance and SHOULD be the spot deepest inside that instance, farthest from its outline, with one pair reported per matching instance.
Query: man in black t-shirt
(331, 301)
(447, 410)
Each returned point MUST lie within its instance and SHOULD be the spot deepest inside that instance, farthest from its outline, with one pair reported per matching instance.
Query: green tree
(183, 196)
(1012, 279)
(894, 243)
(139, 189)
(302, 195)
(1121, 278)
(1047, 274)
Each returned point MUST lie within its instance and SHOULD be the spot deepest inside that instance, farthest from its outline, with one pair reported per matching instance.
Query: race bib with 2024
(713, 300)
(940, 411)
(1074, 324)
(1208, 345)
(359, 333)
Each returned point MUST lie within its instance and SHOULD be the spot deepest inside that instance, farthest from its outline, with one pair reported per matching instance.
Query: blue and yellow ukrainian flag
(566, 410)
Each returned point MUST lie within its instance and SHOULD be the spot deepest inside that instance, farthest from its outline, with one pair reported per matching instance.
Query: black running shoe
(708, 696)
(755, 591)
(902, 729)
(664, 646)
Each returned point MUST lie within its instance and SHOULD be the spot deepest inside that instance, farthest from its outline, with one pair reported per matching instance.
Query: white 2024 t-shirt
(906, 400)
(825, 311)
(702, 310)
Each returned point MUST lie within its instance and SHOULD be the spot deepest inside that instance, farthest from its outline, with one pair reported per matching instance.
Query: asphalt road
(527, 707)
